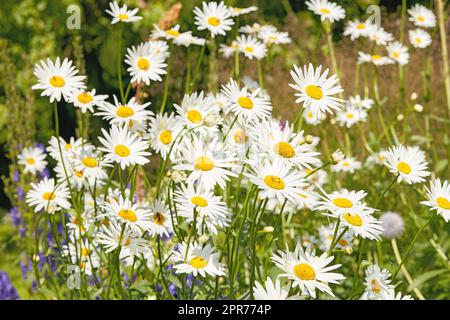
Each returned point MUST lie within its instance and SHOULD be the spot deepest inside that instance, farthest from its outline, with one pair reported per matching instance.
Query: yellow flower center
(350, 116)
(375, 285)
(57, 81)
(203, 163)
(128, 214)
(122, 150)
(418, 40)
(376, 57)
(249, 49)
(122, 16)
(49, 196)
(345, 164)
(343, 242)
(245, 102)
(31, 161)
(284, 149)
(325, 10)
(421, 18)
(84, 98)
(240, 136)
(353, 219)
(360, 26)
(165, 136)
(68, 146)
(342, 203)
(304, 271)
(79, 174)
(199, 201)
(314, 92)
(213, 21)
(143, 64)
(198, 262)
(172, 32)
(274, 182)
(194, 116)
(85, 252)
(89, 162)
(158, 218)
(395, 54)
(124, 111)
(403, 167)
(443, 203)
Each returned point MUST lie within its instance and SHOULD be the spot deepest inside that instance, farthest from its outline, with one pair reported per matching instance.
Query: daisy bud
(348, 251)
(203, 238)
(36, 258)
(267, 229)
(414, 96)
(333, 121)
(393, 225)
(221, 280)
(418, 107)
(309, 139)
(400, 117)
(337, 156)
(178, 176)
(169, 173)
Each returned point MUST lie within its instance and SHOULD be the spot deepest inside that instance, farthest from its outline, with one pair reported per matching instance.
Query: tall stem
(442, 32)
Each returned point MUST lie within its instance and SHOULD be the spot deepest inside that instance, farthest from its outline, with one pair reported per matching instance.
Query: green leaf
(425, 277)
(441, 165)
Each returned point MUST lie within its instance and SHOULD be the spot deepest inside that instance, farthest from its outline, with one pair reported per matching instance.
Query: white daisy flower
(86, 100)
(377, 158)
(129, 114)
(276, 179)
(215, 17)
(57, 79)
(48, 196)
(377, 283)
(380, 36)
(123, 147)
(69, 149)
(422, 16)
(313, 119)
(419, 38)
(163, 130)
(161, 222)
(33, 159)
(376, 59)
(308, 271)
(251, 47)
(237, 11)
(362, 224)
(229, 50)
(254, 28)
(271, 291)
(326, 10)
(409, 164)
(145, 66)
(439, 198)
(398, 52)
(91, 166)
(358, 102)
(197, 260)
(271, 37)
(128, 213)
(122, 14)
(350, 116)
(348, 164)
(315, 90)
(326, 235)
(246, 104)
(209, 163)
(89, 258)
(356, 29)
(342, 202)
(390, 295)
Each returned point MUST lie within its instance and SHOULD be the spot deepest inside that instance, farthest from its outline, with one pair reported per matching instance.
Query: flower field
(236, 150)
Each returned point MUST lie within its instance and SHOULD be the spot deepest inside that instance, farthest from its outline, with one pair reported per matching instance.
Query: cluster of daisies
(210, 143)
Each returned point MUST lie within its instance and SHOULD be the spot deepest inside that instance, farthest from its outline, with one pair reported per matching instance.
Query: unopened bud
(333, 121)
(348, 251)
(400, 117)
(309, 139)
(418, 107)
(178, 176)
(203, 238)
(267, 229)
(414, 96)
(36, 258)
(337, 156)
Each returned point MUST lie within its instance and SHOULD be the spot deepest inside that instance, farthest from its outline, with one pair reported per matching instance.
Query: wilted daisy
(163, 130)
(276, 179)
(128, 114)
(439, 198)
(57, 79)
(215, 17)
(326, 10)
(422, 16)
(161, 221)
(348, 164)
(126, 212)
(398, 52)
(362, 223)
(377, 283)
(209, 163)
(48, 196)
(350, 116)
(419, 38)
(315, 90)
(122, 14)
(33, 159)
(123, 147)
(145, 65)
(307, 271)
(392, 224)
(277, 142)
(86, 100)
(376, 59)
(237, 11)
(409, 164)
(246, 104)
(251, 47)
(197, 260)
(271, 290)
(356, 29)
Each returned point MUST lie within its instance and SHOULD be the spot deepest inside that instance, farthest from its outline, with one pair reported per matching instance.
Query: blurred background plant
(31, 30)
